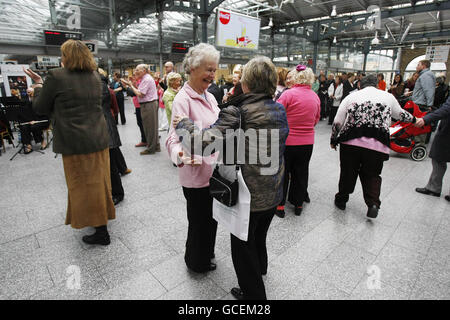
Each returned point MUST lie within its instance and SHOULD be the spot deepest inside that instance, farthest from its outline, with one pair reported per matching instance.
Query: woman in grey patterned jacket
(266, 129)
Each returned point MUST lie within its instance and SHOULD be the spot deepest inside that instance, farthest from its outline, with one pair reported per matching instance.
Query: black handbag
(222, 189)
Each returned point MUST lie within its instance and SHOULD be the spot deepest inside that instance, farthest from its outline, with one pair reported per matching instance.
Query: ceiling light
(375, 40)
(334, 40)
(413, 46)
(271, 22)
(333, 12)
(386, 36)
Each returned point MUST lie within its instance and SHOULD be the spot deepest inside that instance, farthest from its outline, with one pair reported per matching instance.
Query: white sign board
(15, 80)
(48, 61)
(437, 54)
(237, 31)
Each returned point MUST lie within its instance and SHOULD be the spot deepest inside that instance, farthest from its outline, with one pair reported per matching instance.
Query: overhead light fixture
(334, 40)
(413, 46)
(333, 12)
(375, 40)
(386, 36)
(270, 22)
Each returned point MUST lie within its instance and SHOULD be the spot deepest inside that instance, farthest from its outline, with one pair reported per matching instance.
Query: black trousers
(121, 104)
(139, 123)
(333, 111)
(116, 181)
(29, 132)
(202, 229)
(365, 163)
(250, 257)
(297, 171)
(119, 160)
(323, 106)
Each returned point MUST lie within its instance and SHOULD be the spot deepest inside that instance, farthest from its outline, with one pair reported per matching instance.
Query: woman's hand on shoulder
(177, 119)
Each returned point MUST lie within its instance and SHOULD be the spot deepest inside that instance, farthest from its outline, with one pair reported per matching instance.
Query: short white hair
(143, 66)
(199, 54)
(168, 63)
(303, 77)
(171, 77)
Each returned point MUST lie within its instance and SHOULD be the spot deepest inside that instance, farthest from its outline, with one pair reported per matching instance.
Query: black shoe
(280, 212)
(427, 192)
(447, 198)
(237, 293)
(372, 212)
(98, 238)
(307, 200)
(298, 210)
(212, 266)
(340, 205)
(117, 200)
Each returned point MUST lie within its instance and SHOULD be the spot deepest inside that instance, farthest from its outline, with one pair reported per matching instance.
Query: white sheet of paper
(235, 219)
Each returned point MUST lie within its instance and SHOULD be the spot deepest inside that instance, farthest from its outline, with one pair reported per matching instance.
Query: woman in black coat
(114, 141)
(440, 150)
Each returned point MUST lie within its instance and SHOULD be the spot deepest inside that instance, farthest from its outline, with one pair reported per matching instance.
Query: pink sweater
(303, 113)
(204, 113)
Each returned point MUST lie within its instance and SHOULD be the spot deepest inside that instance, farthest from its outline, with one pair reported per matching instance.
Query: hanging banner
(237, 31)
(15, 80)
(437, 54)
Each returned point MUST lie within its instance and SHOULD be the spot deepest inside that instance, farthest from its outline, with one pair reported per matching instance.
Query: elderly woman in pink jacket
(193, 100)
(303, 113)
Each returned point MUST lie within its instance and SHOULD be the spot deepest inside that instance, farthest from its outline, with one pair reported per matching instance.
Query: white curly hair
(198, 55)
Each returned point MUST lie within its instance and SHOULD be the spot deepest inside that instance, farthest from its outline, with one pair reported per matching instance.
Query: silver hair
(199, 54)
(370, 80)
(143, 66)
(260, 75)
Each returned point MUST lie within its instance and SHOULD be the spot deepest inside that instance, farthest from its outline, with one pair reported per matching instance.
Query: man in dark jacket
(440, 151)
(216, 92)
(348, 85)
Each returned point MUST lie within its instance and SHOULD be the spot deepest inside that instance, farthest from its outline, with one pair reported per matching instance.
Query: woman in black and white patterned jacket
(361, 126)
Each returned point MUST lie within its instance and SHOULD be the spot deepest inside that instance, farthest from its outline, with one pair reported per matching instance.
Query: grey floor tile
(22, 285)
(195, 289)
(142, 287)
(172, 272)
(314, 288)
(368, 290)
(345, 267)
(400, 267)
(414, 236)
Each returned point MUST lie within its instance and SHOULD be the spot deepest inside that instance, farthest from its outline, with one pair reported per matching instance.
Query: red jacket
(114, 105)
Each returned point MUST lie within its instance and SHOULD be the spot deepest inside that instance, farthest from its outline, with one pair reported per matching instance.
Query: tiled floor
(323, 254)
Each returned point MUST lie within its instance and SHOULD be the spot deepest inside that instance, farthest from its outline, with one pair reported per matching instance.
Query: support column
(329, 56)
(288, 44)
(195, 30)
(112, 22)
(204, 18)
(272, 38)
(366, 52)
(315, 42)
(160, 41)
(110, 66)
(53, 15)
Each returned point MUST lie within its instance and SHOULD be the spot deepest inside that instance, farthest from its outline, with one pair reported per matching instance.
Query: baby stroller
(402, 135)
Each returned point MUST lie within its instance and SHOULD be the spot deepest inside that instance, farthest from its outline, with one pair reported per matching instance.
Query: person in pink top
(193, 100)
(303, 113)
(148, 99)
(137, 106)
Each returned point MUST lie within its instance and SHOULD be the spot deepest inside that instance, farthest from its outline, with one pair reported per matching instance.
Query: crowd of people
(280, 103)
